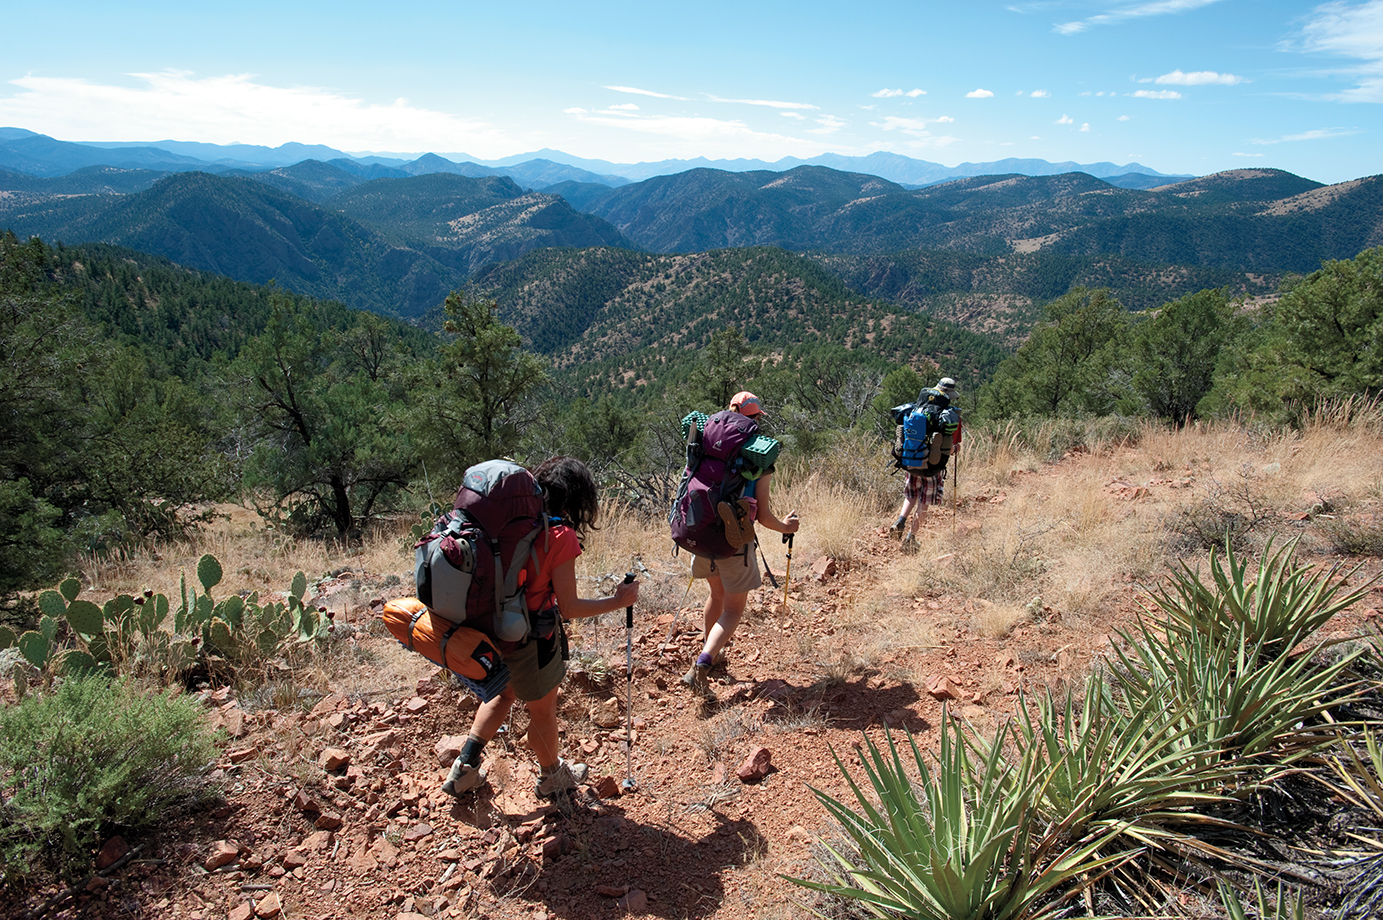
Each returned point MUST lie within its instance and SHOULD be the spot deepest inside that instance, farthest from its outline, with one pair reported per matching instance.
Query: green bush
(93, 757)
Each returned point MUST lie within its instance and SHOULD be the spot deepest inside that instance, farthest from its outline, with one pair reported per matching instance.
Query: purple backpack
(713, 475)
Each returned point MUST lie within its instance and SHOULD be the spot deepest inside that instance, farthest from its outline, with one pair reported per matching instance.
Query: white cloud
(1135, 11)
(828, 124)
(1085, 127)
(627, 106)
(887, 93)
(1319, 134)
(769, 103)
(798, 115)
(1125, 118)
(1064, 120)
(711, 137)
(914, 93)
(979, 94)
(234, 108)
(1155, 94)
(917, 129)
(644, 92)
(944, 120)
(1350, 32)
(1040, 94)
(1248, 154)
(1198, 78)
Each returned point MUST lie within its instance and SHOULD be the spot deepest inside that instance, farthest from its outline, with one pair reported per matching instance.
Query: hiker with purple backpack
(725, 490)
(538, 663)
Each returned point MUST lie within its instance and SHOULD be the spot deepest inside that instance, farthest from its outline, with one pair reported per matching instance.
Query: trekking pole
(629, 689)
(955, 493)
(787, 577)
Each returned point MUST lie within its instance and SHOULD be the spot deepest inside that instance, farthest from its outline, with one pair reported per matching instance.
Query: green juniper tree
(473, 402)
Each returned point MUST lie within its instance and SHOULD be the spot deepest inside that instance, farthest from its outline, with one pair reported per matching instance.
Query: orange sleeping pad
(460, 649)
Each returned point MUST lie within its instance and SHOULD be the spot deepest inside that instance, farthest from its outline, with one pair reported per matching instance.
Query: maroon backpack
(467, 569)
(713, 475)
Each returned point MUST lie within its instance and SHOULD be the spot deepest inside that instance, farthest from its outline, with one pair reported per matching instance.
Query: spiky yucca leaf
(1275, 610)
(964, 843)
(1112, 768)
(1229, 701)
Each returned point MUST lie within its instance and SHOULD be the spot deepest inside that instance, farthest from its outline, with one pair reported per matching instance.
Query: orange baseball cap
(746, 403)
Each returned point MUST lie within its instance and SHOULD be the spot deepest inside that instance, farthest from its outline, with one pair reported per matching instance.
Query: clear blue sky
(1181, 86)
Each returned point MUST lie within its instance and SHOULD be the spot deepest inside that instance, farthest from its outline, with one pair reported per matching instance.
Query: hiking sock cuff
(471, 750)
(704, 660)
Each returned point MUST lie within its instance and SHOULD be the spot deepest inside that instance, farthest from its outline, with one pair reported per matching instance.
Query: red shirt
(560, 546)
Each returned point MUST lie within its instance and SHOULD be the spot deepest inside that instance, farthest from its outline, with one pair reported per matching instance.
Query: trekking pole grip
(629, 611)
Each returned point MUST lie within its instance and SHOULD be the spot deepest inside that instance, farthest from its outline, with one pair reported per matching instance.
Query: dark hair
(571, 492)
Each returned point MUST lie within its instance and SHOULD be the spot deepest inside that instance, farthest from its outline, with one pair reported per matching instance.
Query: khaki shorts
(735, 576)
(529, 681)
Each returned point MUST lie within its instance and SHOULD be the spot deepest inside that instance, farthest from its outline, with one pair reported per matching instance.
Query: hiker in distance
(537, 665)
(732, 576)
(926, 483)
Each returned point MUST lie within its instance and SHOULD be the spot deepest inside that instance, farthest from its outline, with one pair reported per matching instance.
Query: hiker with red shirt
(538, 665)
(921, 491)
(730, 580)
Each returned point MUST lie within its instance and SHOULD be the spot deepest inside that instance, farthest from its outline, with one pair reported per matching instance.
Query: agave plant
(1275, 610)
(1129, 771)
(1227, 700)
(1281, 907)
(965, 843)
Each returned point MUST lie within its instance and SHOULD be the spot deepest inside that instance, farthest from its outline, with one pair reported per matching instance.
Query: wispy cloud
(768, 103)
(634, 90)
(1155, 94)
(714, 137)
(1197, 78)
(1040, 94)
(1124, 118)
(979, 94)
(1064, 120)
(1248, 154)
(893, 93)
(1352, 31)
(1132, 11)
(826, 124)
(798, 115)
(917, 129)
(1319, 134)
(235, 107)
(626, 106)
(1085, 127)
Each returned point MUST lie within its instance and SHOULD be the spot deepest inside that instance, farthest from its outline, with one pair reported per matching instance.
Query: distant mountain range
(39, 155)
(981, 250)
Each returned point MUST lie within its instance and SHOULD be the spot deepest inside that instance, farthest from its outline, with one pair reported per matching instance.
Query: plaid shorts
(925, 490)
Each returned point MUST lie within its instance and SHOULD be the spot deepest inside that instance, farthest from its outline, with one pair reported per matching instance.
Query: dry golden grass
(1075, 532)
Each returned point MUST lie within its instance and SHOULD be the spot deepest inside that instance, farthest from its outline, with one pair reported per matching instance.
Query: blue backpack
(925, 432)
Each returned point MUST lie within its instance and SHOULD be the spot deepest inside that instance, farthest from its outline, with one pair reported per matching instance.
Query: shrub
(90, 758)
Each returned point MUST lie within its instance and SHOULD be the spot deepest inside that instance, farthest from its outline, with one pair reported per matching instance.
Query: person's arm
(762, 494)
(575, 608)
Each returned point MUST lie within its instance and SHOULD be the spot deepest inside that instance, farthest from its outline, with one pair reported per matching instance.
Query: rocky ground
(334, 810)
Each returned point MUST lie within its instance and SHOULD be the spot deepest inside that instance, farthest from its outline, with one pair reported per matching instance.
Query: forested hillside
(623, 320)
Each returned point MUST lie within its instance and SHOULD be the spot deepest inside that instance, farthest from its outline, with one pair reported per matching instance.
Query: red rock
(417, 704)
(718, 773)
(417, 832)
(269, 907)
(448, 749)
(318, 840)
(823, 568)
(756, 766)
(941, 687)
(635, 902)
(612, 891)
(294, 859)
(243, 754)
(328, 821)
(112, 850)
(243, 911)
(607, 788)
(333, 759)
(223, 853)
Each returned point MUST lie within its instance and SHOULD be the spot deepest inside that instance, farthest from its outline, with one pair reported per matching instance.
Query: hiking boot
(463, 778)
(564, 779)
(909, 544)
(698, 678)
(896, 531)
(739, 530)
